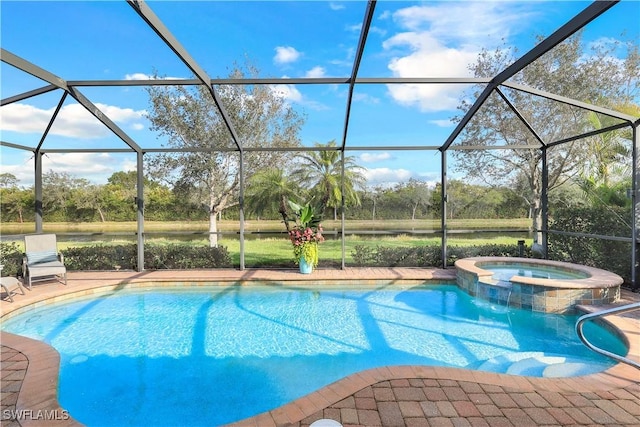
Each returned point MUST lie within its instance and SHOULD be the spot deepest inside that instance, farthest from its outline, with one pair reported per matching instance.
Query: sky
(104, 40)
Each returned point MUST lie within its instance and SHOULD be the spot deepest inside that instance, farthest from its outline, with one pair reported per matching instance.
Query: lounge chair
(41, 260)
(10, 286)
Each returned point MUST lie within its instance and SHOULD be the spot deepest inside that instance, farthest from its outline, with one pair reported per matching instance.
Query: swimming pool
(220, 354)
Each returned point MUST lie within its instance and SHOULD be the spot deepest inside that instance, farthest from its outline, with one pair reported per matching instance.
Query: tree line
(72, 199)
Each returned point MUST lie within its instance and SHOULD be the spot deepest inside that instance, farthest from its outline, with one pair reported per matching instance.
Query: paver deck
(389, 396)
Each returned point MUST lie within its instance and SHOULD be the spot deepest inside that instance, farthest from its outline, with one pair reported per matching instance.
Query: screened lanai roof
(376, 77)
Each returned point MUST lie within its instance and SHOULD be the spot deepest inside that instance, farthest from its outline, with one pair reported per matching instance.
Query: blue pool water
(505, 272)
(216, 355)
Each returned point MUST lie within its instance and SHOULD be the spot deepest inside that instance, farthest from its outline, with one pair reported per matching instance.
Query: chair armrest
(61, 257)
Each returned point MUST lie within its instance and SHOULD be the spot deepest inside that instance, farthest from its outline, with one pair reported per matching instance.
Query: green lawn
(277, 250)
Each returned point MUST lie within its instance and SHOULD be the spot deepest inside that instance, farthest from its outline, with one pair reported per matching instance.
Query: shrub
(11, 259)
(179, 257)
(101, 257)
(426, 256)
(611, 255)
(156, 257)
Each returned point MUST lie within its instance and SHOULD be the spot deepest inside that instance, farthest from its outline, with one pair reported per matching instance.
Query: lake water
(330, 234)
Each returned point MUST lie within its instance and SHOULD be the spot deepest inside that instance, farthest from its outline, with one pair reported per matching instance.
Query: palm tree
(602, 178)
(606, 149)
(322, 172)
(271, 189)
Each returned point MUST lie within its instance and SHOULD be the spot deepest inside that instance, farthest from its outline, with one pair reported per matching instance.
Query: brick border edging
(38, 395)
(306, 406)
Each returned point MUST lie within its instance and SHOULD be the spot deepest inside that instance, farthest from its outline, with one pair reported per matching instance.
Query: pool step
(501, 363)
(573, 369)
(534, 366)
(540, 364)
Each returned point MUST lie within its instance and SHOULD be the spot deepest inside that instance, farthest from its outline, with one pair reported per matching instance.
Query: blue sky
(108, 40)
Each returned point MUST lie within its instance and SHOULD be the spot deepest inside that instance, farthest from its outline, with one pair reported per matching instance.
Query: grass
(274, 251)
(277, 251)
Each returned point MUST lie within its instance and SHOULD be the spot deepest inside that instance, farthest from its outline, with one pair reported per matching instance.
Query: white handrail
(617, 310)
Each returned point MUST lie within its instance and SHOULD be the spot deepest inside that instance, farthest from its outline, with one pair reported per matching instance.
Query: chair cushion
(41, 257)
(46, 269)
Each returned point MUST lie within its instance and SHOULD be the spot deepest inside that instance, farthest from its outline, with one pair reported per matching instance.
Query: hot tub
(537, 284)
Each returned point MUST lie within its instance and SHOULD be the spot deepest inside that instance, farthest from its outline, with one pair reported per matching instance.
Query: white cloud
(428, 58)
(129, 165)
(316, 72)
(374, 157)
(431, 178)
(336, 6)
(137, 76)
(428, 98)
(23, 171)
(314, 105)
(385, 15)
(291, 94)
(288, 92)
(355, 28)
(95, 167)
(24, 118)
(78, 164)
(444, 123)
(285, 55)
(603, 42)
(450, 21)
(377, 30)
(366, 98)
(72, 121)
(441, 41)
(386, 176)
(121, 115)
(143, 76)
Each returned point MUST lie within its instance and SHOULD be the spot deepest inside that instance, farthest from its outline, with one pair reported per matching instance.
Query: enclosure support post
(140, 208)
(544, 205)
(635, 181)
(443, 206)
(342, 218)
(38, 190)
(241, 202)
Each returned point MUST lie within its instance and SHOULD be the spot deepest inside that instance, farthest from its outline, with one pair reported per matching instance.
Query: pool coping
(597, 278)
(43, 360)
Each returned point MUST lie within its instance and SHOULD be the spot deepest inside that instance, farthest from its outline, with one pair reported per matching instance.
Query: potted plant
(305, 236)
